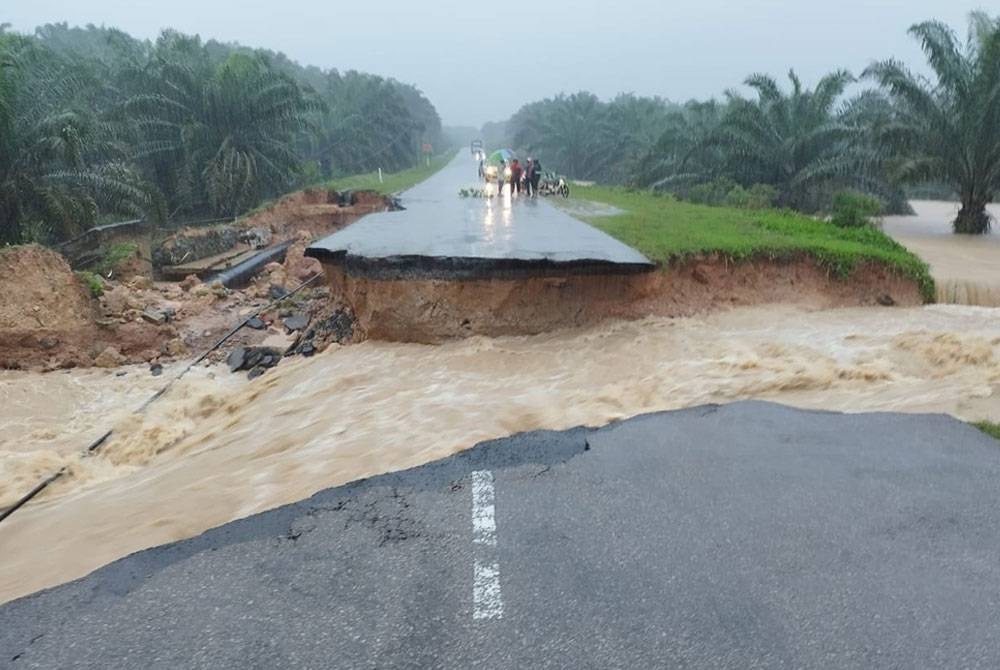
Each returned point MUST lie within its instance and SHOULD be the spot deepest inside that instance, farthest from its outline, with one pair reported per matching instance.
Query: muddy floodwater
(966, 268)
(217, 447)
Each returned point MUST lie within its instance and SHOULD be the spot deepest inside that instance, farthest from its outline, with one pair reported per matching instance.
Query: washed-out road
(744, 536)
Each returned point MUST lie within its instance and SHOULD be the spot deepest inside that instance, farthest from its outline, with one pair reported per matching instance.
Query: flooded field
(966, 268)
(217, 447)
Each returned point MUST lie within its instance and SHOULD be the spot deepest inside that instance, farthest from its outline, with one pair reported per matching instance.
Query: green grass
(113, 256)
(669, 231)
(392, 183)
(988, 427)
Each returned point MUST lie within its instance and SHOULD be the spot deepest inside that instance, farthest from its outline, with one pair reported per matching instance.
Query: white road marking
(484, 524)
(487, 602)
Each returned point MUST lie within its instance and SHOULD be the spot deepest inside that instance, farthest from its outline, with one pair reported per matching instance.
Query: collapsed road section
(448, 266)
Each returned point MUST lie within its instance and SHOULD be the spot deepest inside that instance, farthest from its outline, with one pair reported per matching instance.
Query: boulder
(154, 316)
(175, 347)
(248, 358)
(110, 358)
(189, 282)
(236, 359)
(296, 321)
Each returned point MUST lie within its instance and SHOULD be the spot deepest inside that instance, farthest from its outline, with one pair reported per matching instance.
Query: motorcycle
(553, 184)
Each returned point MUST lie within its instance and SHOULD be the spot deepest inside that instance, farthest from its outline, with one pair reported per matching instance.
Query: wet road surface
(744, 536)
(438, 223)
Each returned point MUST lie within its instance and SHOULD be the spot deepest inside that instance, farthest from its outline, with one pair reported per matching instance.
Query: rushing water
(217, 447)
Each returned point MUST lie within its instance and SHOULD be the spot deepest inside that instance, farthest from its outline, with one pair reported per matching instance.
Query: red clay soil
(315, 211)
(48, 318)
(432, 310)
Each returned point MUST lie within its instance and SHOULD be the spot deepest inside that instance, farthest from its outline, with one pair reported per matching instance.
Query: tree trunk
(973, 218)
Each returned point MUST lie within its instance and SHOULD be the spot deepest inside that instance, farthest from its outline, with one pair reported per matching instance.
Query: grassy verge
(391, 183)
(669, 231)
(988, 427)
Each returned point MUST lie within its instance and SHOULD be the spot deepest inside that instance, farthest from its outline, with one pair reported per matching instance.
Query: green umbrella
(501, 155)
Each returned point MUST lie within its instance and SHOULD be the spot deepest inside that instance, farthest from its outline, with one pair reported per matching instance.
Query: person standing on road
(534, 175)
(500, 171)
(515, 176)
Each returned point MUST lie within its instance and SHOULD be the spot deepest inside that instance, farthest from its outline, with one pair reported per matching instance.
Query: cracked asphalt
(744, 536)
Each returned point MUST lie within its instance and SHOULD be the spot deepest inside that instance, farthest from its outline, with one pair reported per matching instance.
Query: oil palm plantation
(366, 124)
(60, 165)
(573, 133)
(218, 138)
(949, 129)
(682, 153)
(798, 142)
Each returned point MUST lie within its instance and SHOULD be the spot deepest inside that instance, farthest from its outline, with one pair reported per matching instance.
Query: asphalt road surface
(744, 536)
(439, 224)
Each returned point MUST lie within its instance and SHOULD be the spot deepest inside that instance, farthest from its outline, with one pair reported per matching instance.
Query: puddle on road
(217, 447)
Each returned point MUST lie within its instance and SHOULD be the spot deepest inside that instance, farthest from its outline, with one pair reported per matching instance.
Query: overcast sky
(479, 61)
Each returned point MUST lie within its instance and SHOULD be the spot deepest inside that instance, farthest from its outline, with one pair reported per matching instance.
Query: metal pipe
(242, 272)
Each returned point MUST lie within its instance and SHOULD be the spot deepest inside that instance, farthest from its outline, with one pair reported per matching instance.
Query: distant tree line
(798, 146)
(96, 124)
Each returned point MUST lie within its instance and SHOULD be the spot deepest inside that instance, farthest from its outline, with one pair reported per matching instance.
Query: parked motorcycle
(553, 184)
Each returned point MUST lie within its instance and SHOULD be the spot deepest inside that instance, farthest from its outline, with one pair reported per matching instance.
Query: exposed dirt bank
(47, 317)
(433, 310)
(304, 215)
(49, 320)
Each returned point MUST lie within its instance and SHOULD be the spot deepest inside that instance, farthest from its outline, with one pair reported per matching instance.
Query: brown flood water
(217, 447)
(966, 268)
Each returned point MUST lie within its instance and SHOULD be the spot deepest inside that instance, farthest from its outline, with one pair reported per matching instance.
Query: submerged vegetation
(96, 124)
(807, 144)
(668, 231)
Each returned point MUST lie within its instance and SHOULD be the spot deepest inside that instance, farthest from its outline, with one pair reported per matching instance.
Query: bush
(853, 210)
(762, 196)
(726, 192)
(713, 192)
(113, 257)
(93, 282)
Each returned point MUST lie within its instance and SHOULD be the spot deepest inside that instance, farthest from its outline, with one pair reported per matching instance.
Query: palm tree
(60, 166)
(221, 138)
(797, 142)
(572, 132)
(682, 154)
(366, 124)
(949, 130)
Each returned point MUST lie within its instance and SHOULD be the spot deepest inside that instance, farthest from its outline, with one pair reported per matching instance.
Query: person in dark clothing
(534, 175)
(516, 171)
